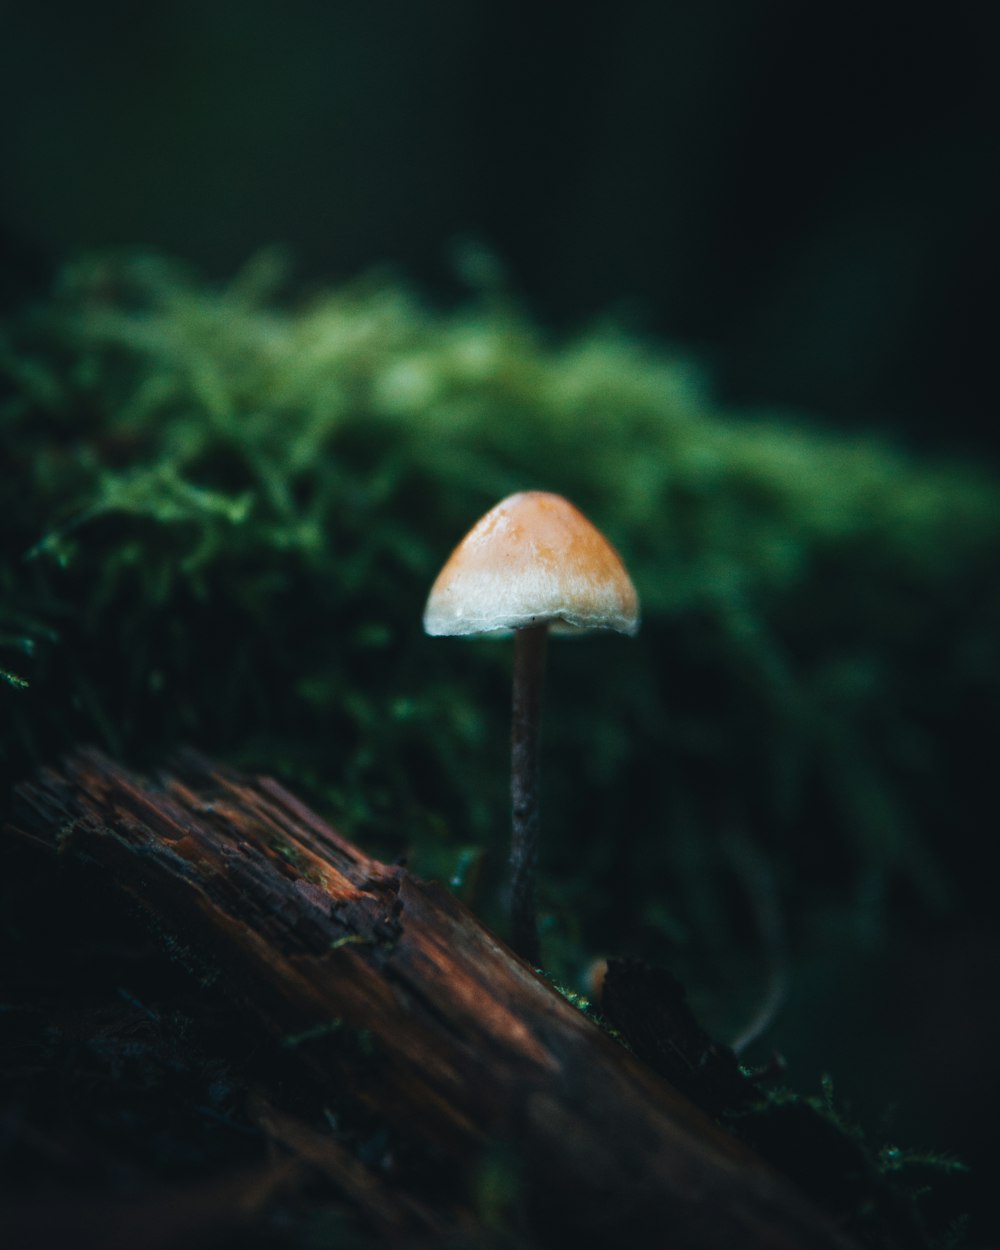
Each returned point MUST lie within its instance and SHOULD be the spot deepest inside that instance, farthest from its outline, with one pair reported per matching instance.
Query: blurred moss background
(224, 510)
(226, 488)
(807, 198)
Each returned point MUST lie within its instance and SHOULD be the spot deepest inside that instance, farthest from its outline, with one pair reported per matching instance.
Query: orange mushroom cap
(533, 559)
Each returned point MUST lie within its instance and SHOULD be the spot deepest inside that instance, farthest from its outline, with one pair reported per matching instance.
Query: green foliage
(224, 511)
(874, 1192)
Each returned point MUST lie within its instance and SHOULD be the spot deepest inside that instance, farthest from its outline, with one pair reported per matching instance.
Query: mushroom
(531, 564)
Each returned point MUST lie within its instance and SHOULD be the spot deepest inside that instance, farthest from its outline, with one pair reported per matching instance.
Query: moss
(224, 507)
(227, 508)
(875, 1192)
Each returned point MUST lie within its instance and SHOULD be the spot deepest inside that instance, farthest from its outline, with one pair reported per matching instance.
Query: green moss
(328, 1028)
(226, 509)
(874, 1192)
(223, 510)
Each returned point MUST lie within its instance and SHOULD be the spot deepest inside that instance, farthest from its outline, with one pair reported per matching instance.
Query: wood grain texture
(465, 1046)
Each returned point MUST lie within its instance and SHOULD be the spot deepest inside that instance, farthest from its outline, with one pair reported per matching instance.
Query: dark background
(804, 197)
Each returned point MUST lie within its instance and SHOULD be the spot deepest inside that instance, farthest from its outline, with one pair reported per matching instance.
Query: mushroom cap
(533, 559)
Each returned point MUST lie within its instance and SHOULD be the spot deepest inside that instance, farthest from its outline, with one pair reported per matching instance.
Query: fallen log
(462, 1047)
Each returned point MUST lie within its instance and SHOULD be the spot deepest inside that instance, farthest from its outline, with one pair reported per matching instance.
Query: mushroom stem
(529, 674)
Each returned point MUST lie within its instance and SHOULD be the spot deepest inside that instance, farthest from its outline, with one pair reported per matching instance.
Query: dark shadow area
(807, 201)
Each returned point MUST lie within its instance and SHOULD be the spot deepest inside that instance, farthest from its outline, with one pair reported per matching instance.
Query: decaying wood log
(466, 1047)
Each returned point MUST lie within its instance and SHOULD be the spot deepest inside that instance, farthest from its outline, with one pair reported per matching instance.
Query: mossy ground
(223, 507)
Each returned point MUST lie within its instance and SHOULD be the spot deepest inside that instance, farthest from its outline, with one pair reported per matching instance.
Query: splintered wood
(462, 1048)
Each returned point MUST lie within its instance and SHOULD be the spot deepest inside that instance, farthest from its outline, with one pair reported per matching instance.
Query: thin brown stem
(529, 674)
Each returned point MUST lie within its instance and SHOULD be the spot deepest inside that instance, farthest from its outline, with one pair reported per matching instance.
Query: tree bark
(466, 1049)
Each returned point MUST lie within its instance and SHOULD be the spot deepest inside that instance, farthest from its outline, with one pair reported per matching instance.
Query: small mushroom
(531, 564)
